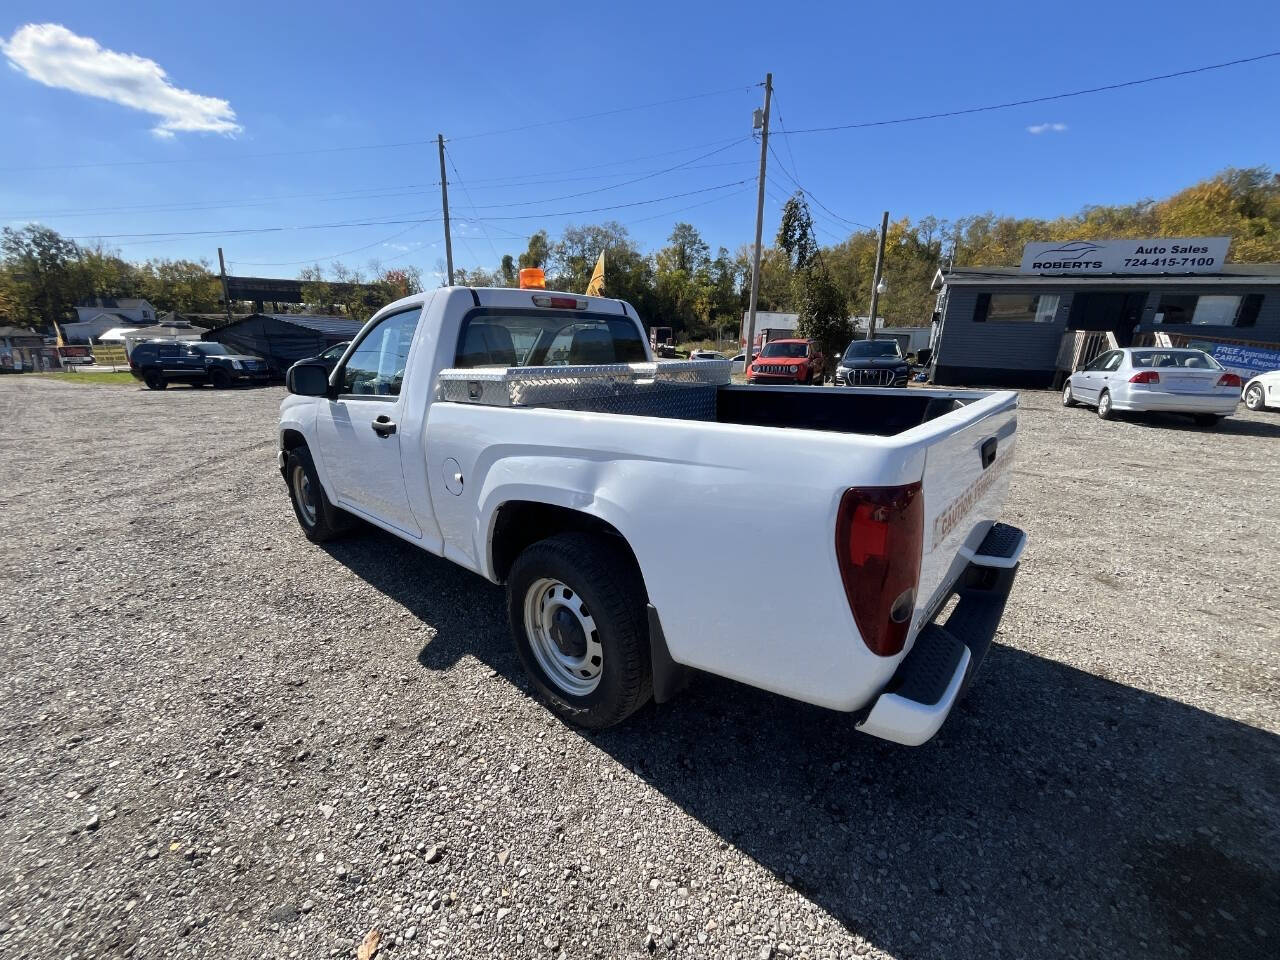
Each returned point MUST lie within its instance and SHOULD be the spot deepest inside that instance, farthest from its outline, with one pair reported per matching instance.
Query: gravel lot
(218, 740)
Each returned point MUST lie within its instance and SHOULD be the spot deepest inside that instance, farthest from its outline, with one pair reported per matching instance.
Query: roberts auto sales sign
(1149, 255)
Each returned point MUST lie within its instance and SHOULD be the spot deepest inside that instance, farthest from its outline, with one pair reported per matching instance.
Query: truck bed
(700, 390)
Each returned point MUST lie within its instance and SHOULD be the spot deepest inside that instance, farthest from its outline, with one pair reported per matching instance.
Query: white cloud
(1047, 128)
(51, 54)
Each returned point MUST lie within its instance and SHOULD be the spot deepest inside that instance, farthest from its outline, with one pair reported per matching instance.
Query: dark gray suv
(157, 363)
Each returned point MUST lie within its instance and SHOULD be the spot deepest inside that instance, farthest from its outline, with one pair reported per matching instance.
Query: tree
(824, 312)
(538, 252)
(42, 275)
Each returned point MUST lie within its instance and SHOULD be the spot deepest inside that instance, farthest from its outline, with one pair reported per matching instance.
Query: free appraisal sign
(1145, 255)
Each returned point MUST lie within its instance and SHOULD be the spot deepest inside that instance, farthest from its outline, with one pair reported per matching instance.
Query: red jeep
(788, 361)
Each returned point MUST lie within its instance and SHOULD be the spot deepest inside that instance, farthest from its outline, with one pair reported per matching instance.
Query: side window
(376, 368)
(168, 351)
(1114, 362)
(1100, 362)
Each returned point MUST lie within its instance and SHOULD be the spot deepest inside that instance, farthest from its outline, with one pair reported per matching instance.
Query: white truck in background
(530, 437)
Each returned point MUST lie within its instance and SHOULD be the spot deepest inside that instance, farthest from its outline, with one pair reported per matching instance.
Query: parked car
(331, 356)
(425, 430)
(738, 364)
(873, 363)
(705, 355)
(788, 361)
(1162, 379)
(160, 362)
(1263, 391)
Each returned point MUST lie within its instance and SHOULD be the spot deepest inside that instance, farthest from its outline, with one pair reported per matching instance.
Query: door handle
(384, 426)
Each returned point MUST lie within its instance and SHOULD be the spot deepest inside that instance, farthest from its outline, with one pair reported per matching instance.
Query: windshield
(1193, 359)
(211, 349)
(872, 348)
(793, 351)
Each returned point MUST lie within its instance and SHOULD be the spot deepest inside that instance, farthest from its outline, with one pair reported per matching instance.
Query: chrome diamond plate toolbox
(671, 388)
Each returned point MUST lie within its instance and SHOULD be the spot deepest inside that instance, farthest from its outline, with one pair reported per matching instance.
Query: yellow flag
(596, 287)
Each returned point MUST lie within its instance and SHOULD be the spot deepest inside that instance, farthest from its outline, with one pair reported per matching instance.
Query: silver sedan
(1165, 379)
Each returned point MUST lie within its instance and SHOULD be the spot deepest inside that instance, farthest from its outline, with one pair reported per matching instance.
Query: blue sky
(318, 92)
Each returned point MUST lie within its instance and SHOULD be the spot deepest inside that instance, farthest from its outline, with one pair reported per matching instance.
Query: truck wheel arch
(518, 524)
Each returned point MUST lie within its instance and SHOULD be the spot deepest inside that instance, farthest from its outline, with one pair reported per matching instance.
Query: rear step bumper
(935, 674)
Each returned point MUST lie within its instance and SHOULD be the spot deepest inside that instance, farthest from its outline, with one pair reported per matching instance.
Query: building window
(1211, 311)
(1016, 307)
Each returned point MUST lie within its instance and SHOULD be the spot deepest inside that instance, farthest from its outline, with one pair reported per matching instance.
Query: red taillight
(1146, 376)
(1230, 380)
(879, 539)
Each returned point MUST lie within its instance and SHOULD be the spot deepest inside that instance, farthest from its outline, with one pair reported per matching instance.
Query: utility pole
(755, 256)
(444, 199)
(875, 283)
(222, 275)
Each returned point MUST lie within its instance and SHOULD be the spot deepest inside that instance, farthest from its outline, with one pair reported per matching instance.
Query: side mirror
(308, 380)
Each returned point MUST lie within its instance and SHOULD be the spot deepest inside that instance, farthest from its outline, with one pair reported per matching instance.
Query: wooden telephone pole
(444, 200)
(755, 255)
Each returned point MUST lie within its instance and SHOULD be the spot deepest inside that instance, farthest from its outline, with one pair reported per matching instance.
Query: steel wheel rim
(552, 610)
(1066, 393)
(1104, 403)
(1253, 397)
(304, 495)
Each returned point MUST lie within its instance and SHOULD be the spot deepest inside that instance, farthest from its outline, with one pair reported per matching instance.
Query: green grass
(121, 379)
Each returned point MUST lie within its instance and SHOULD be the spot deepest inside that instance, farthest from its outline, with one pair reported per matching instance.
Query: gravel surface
(218, 740)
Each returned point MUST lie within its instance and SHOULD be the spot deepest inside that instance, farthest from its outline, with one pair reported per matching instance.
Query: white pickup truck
(530, 436)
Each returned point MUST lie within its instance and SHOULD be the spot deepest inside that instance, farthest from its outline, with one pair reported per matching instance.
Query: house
(95, 317)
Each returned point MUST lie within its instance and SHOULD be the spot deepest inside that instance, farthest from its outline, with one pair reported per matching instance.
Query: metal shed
(284, 338)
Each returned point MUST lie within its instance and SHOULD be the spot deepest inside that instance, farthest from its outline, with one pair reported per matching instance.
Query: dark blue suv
(157, 363)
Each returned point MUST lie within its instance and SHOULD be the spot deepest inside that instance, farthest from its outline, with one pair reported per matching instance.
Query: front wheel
(220, 379)
(320, 520)
(1067, 399)
(1105, 410)
(577, 612)
(1253, 397)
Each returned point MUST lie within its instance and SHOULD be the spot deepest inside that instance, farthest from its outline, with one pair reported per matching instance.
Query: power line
(836, 218)
(391, 222)
(1033, 100)
(484, 229)
(614, 186)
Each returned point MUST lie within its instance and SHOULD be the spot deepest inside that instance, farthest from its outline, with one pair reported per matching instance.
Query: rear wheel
(577, 612)
(154, 380)
(320, 520)
(1105, 410)
(219, 378)
(1253, 397)
(1206, 419)
(1067, 399)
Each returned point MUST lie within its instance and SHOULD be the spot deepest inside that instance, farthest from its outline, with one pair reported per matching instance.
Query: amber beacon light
(532, 278)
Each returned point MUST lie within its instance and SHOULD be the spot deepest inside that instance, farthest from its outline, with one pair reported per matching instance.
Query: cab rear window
(547, 339)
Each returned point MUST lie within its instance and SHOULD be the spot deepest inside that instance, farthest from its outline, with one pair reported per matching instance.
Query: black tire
(1067, 399)
(610, 586)
(1253, 398)
(1206, 419)
(320, 520)
(1105, 410)
(154, 380)
(220, 379)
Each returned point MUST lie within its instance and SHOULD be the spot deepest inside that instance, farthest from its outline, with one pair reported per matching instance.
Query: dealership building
(1033, 324)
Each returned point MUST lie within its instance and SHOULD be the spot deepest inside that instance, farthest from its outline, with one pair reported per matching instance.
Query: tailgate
(966, 480)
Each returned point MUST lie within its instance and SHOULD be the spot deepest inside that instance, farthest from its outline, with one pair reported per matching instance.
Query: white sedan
(1263, 391)
(1162, 379)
